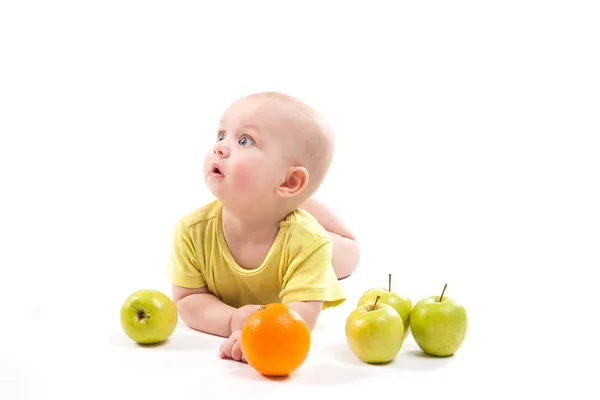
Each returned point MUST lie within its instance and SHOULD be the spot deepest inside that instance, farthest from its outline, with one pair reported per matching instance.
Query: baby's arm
(203, 311)
(308, 310)
(346, 252)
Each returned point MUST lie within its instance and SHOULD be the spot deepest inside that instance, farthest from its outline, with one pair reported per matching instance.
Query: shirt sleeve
(310, 277)
(184, 264)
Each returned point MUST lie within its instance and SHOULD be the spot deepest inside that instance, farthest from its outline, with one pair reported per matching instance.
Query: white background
(467, 154)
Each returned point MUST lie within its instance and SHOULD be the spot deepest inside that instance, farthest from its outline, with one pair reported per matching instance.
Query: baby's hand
(231, 348)
(239, 316)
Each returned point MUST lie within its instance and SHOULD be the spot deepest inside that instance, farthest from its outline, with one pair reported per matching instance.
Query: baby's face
(248, 160)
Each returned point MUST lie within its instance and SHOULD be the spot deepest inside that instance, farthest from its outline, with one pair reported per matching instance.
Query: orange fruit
(275, 340)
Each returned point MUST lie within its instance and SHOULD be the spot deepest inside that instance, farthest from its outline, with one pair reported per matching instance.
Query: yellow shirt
(296, 268)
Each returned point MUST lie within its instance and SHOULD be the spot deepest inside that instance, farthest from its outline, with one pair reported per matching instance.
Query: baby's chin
(242, 196)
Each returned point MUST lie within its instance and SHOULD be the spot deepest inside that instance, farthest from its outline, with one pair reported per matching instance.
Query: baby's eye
(245, 141)
(221, 136)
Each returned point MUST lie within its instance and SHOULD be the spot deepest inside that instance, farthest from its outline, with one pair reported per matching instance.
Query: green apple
(401, 303)
(148, 316)
(374, 332)
(439, 325)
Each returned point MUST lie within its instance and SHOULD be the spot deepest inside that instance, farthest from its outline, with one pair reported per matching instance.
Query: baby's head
(271, 150)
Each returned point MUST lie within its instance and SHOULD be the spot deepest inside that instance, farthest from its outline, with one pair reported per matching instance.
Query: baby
(264, 239)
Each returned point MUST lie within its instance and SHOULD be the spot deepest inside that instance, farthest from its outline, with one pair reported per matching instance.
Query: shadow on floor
(408, 358)
(177, 342)
(306, 374)
(417, 360)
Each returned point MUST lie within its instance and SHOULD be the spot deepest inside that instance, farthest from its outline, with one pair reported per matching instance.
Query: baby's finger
(221, 352)
(236, 351)
(226, 348)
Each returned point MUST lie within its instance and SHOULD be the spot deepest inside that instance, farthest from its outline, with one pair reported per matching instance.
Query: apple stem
(389, 282)
(442, 296)
(375, 304)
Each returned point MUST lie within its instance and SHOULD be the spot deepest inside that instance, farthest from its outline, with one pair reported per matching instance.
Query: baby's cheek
(245, 176)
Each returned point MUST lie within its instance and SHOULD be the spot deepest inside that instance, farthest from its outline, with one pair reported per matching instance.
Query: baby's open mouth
(215, 170)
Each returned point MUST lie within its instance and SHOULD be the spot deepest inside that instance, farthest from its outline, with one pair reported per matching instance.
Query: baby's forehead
(264, 114)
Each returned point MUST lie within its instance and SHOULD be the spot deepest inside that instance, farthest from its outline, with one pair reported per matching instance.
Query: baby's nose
(221, 150)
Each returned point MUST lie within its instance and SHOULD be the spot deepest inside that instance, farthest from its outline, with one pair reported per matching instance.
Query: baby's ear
(295, 181)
